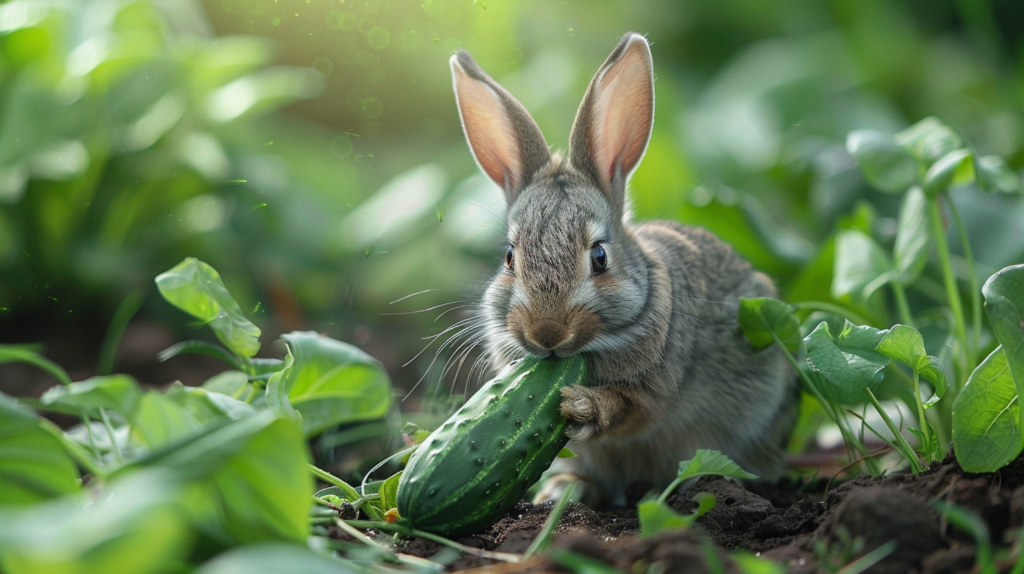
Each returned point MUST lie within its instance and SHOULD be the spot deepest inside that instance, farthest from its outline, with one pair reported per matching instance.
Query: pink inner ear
(488, 129)
(623, 114)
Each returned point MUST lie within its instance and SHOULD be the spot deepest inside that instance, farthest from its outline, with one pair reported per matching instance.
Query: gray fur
(671, 372)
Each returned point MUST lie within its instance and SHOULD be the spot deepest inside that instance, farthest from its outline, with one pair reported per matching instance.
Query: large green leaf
(274, 558)
(885, 164)
(248, 478)
(764, 319)
(861, 266)
(33, 464)
(913, 237)
(117, 393)
(848, 359)
(209, 406)
(330, 382)
(197, 289)
(134, 526)
(986, 417)
(1004, 304)
(929, 140)
(906, 345)
(159, 421)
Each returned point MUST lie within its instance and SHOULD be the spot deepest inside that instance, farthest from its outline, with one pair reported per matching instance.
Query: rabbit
(652, 306)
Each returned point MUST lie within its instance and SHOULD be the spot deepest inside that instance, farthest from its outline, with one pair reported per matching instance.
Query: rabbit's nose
(547, 334)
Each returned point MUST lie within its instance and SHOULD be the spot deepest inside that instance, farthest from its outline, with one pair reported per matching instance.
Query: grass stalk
(952, 291)
(405, 530)
(329, 478)
(965, 243)
(113, 438)
(900, 442)
(118, 323)
(901, 303)
(544, 536)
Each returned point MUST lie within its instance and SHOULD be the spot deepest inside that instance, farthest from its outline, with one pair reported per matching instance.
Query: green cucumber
(481, 461)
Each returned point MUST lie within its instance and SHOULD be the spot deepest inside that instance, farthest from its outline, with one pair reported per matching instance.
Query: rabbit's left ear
(614, 121)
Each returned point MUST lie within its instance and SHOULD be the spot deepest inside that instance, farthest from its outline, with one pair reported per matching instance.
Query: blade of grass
(405, 530)
(544, 536)
(972, 277)
(118, 323)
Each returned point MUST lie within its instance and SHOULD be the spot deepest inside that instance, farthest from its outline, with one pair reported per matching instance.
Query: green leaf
(331, 383)
(277, 393)
(986, 417)
(30, 354)
(133, 526)
(913, 237)
(117, 393)
(764, 319)
(1004, 305)
(929, 139)
(566, 453)
(751, 564)
(197, 289)
(995, 176)
(848, 360)
(906, 345)
(208, 406)
(33, 464)
(159, 421)
(942, 173)
(248, 479)
(885, 164)
(273, 558)
(199, 348)
(711, 462)
(861, 266)
(389, 492)
(234, 384)
(657, 517)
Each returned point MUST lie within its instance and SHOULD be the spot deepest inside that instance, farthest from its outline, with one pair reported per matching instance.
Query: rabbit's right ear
(505, 141)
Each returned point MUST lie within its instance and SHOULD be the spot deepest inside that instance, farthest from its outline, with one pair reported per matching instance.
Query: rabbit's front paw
(582, 407)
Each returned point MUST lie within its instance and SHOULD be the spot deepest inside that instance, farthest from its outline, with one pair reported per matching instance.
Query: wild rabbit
(652, 305)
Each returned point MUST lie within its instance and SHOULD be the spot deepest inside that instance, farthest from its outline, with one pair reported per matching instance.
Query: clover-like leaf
(986, 417)
(197, 289)
(848, 359)
(765, 320)
(886, 165)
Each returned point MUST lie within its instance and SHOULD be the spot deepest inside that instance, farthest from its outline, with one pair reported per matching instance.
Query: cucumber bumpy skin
(481, 461)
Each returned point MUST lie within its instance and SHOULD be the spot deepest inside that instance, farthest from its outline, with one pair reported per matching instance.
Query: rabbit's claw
(579, 406)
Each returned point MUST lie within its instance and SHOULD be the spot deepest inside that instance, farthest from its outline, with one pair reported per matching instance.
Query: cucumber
(481, 461)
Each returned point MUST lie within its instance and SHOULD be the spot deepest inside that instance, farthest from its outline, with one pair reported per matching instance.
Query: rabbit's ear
(505, 141)
(614, 121)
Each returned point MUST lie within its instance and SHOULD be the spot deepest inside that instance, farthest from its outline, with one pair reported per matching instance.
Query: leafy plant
(847, 361)
(655, 514)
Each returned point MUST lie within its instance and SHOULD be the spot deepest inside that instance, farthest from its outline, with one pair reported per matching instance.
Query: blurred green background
(310, 150)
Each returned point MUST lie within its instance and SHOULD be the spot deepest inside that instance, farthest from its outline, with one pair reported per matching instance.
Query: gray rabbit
(653, 305)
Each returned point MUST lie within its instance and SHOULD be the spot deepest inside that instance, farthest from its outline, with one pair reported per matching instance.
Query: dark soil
(806, 531)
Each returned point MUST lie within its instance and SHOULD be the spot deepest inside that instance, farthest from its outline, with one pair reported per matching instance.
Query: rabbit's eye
(510, 258)
(598, 258)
